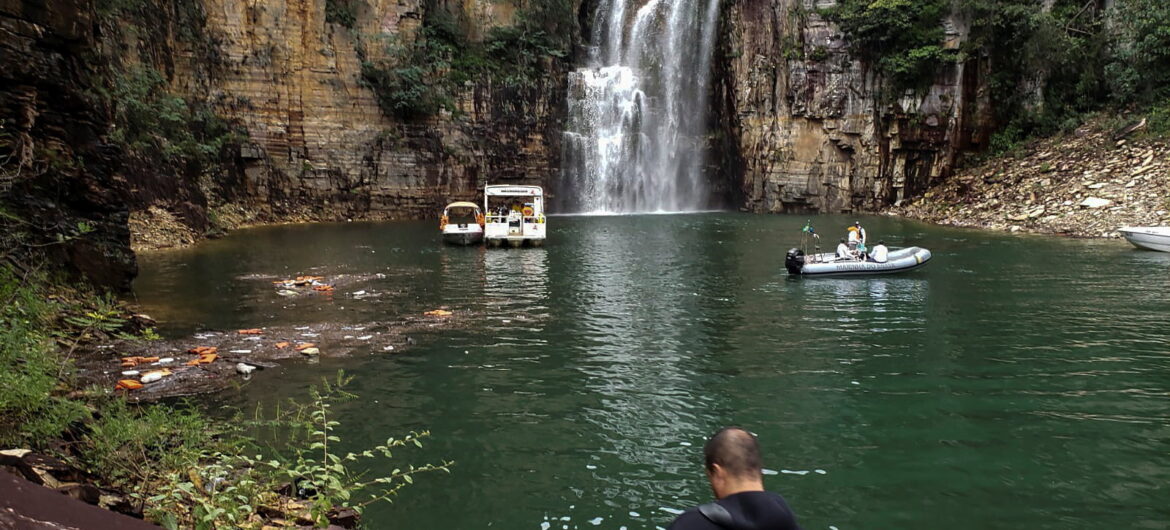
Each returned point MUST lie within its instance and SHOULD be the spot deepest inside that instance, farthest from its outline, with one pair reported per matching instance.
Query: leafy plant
(226, 488)
(31, 408)
(324, 476)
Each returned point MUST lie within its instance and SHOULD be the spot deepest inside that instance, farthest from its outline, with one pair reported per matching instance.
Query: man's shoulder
(692, 520)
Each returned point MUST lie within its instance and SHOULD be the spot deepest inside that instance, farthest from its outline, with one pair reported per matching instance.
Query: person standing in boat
(880, 253)
(857, 231)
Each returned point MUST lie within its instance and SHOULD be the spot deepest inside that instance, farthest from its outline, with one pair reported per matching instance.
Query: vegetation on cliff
(419, 78)
(1050, 63)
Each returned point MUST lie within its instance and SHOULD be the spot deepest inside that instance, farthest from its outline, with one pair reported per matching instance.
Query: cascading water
(638, 112)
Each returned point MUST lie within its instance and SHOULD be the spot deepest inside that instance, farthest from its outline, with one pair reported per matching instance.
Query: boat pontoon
(515, 215)
(462, 224)
(899, 260)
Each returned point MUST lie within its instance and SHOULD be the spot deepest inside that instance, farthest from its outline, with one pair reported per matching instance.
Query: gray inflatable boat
(900, 260)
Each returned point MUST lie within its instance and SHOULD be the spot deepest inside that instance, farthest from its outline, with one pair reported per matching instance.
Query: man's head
(881, 242)
(733, 462)
(857, 224)
(842, 240)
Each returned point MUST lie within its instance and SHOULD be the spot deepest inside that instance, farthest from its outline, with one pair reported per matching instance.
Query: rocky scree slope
(1085, 184)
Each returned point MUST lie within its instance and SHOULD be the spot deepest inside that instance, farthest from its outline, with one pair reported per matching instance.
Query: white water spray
(638, 112)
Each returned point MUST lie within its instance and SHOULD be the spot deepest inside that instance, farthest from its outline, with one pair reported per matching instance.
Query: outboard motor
(794, 261)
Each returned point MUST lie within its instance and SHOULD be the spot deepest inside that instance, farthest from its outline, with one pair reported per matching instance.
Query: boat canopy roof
(462, 204)
(507, 190)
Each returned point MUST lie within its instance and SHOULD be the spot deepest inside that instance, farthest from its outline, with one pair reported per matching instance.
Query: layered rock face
(320, 146)
(810, 127)
(317, 145)
(60, 193)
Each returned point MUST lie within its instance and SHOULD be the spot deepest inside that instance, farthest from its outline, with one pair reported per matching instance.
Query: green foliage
(1049, 66)
(340, 12)
(327, 477)
(820, 53)
(31, 369)
(227, 486)
(900, 38)
(154, 123)
(1159, 125)
(130, 446)
(421, 78)
(1139, 67)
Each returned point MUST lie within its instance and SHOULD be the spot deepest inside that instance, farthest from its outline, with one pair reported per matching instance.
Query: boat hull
(1148, 237)
(462, 239)
(514, 242)
(824, 265)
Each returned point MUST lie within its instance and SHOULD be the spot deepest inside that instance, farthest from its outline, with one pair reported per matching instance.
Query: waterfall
(638, 110)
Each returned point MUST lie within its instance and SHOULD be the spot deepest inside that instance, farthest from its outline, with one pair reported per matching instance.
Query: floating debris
(128, 384)
(252, 331)
(439, 313)
(130, 362)
(156, 375)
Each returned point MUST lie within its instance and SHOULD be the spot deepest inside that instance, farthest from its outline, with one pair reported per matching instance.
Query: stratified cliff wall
(319, 144)
(810, 126)
(60, 192)
(112, 110)
(798, 123)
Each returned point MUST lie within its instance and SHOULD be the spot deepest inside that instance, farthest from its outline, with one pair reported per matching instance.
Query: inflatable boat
(900, 260)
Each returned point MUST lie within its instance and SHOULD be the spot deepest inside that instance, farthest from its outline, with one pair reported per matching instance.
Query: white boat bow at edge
(1148, 237)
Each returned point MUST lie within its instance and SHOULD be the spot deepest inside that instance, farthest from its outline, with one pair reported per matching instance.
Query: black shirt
(750, 510)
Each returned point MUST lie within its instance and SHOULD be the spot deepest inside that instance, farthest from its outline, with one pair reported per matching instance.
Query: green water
(1015, 382)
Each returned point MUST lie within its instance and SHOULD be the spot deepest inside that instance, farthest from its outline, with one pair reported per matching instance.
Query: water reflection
(865, 305)
(637, 338)
(516, 287)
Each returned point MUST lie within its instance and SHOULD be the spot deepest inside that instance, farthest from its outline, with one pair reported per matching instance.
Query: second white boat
(1148, 237)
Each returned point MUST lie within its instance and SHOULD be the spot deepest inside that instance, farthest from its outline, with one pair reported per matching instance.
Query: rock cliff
(814, 129)
(319, 144)
(799, 124)
(310, 139)
(60, 191)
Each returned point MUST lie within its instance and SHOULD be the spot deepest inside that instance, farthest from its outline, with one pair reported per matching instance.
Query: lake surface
(1015, 382)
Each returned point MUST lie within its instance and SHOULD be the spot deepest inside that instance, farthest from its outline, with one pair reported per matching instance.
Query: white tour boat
(515, 215)
(1148, 237)
(462, 224)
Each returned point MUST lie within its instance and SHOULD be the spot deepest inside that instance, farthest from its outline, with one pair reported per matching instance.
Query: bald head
(736, 451)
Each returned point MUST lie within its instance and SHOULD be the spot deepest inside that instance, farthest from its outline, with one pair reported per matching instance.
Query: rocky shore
(1085, 184)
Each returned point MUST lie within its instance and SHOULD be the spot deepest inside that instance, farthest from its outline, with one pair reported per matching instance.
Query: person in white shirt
(880, 253)
(843, 251)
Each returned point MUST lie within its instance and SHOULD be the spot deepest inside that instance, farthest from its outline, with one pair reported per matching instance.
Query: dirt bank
(1085, 184)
